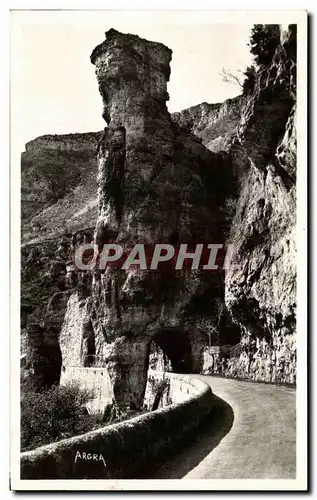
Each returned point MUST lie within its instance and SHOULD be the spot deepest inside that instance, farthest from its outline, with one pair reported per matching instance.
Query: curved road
(251, 434)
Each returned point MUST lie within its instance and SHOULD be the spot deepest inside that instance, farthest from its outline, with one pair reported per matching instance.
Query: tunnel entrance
(175, 345)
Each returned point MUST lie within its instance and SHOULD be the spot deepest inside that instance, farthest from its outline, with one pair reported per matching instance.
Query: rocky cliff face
(258, 132)
(58, 203)
(58, 184)
(154, 186)
(207, 174)
(216, 124)
(47, 282)
(261, 292)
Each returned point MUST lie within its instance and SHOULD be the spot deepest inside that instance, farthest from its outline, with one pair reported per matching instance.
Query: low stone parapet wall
(123, 449)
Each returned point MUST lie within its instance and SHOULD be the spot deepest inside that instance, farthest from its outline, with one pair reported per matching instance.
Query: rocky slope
(58, 184)
(216, 124)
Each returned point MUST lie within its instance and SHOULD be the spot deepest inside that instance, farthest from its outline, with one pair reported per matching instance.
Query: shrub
(249, 82)
(53, 414)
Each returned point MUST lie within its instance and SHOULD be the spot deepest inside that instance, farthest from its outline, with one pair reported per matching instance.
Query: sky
(53, 84)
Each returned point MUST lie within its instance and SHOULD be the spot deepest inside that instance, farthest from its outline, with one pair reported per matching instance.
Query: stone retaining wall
(95, 379)
(122, 450)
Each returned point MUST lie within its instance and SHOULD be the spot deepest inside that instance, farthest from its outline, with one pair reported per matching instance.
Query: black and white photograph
(158, 198)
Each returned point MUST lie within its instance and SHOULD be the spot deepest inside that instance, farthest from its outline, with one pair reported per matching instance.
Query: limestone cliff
(58, 184)
(258, 131)
(261, 292)
(157, 183)
(58, 205)
(212, 173)
(47, 281)
(216, 124)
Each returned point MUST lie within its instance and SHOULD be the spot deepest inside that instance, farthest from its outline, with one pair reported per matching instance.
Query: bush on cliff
(54, 414)
(263, 42)
(249, 82)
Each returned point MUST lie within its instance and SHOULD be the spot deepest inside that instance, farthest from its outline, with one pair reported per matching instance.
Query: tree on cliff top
(232, 78)
(263, 42)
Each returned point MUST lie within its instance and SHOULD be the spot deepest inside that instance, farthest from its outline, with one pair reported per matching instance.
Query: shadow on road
(195, 447)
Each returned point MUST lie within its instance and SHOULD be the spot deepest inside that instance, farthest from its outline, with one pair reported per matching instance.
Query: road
(251, 434)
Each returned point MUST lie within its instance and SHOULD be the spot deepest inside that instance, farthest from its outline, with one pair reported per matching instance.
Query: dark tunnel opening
(176, 346)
